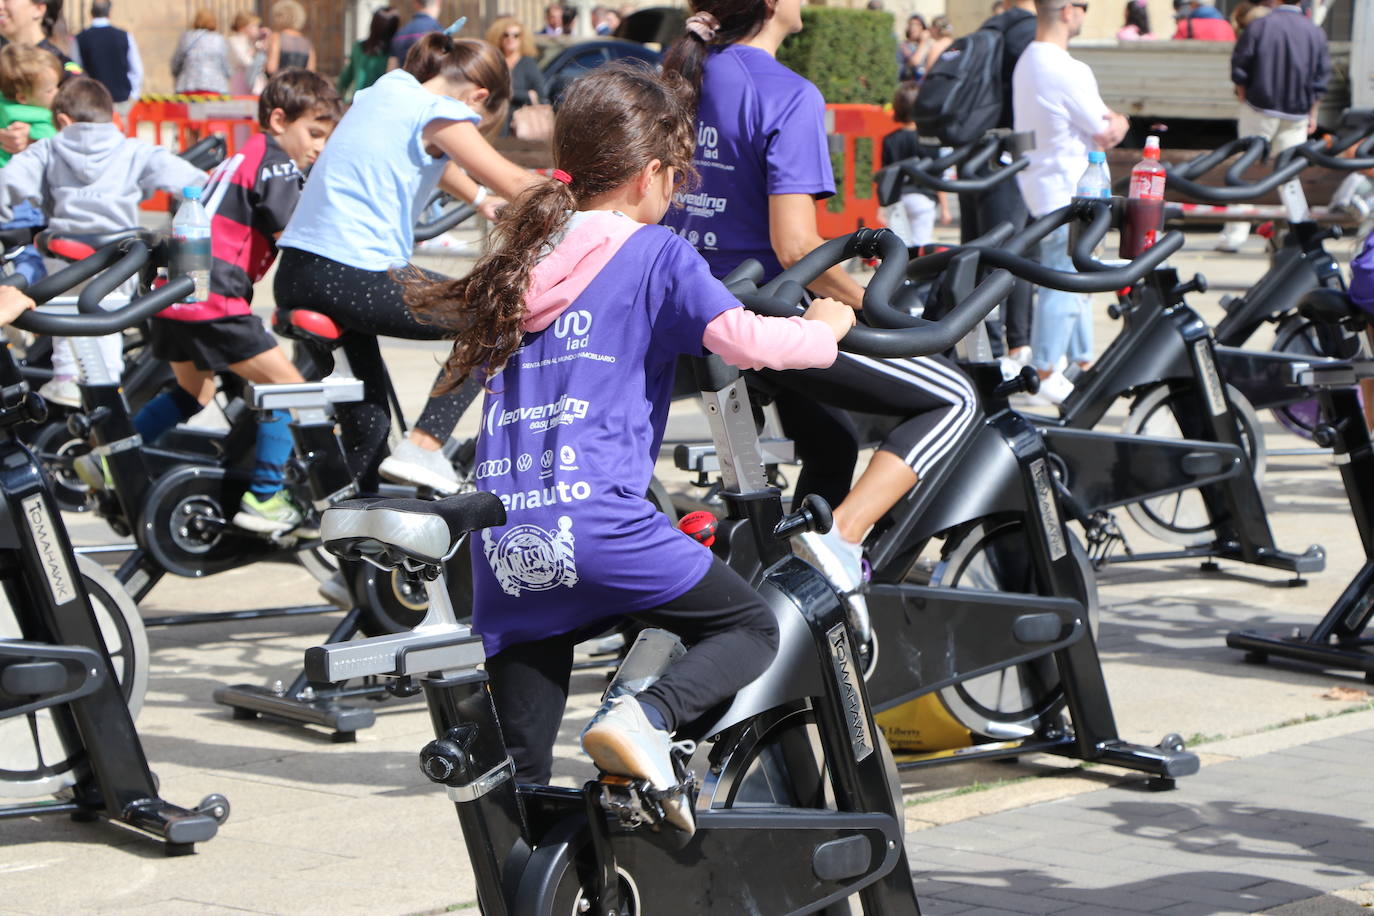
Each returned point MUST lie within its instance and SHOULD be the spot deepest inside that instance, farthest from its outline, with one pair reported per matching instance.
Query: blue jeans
(29, 264)
(1063, 324)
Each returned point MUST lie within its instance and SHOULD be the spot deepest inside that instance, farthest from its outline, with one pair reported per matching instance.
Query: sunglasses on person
(512, 35)
(1081, 6)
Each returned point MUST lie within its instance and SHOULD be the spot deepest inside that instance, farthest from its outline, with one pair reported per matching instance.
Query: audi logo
(494, 468)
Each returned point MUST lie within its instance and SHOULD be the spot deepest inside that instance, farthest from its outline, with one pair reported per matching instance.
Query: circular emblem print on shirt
(530, 558)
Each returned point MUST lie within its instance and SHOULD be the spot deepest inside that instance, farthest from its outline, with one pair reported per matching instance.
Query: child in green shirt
(28, 83)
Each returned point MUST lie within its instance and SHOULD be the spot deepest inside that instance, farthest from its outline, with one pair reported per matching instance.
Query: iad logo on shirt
(708, 139)
(530, 558)
(575, 327)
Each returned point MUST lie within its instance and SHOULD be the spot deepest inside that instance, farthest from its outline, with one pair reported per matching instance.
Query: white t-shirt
(1056, 97)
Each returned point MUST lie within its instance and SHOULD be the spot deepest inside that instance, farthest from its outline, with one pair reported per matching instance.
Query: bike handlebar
(970, 158)
(781, 296)
(113, 264)
(1096, 277)
(424, 231)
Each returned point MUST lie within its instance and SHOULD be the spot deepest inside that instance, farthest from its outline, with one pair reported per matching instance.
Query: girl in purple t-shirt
(764, 161)
(576, 318)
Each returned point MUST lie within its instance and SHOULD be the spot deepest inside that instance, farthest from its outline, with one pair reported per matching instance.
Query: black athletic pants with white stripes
(367, 304)
(931, 402)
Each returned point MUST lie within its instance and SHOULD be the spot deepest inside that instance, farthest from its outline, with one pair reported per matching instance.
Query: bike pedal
(635, 804)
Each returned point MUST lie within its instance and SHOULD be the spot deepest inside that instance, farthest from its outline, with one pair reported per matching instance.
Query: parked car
(570, 62)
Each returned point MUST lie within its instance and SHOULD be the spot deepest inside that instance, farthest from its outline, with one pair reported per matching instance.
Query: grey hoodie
(91, 178)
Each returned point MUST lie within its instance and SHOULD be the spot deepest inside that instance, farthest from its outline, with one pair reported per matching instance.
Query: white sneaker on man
(1054, 390)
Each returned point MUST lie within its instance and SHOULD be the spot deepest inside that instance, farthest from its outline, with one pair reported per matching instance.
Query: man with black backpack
(967, 93)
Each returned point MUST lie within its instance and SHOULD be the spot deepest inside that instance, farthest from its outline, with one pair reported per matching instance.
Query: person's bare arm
(310, 62)
(1115, 132)
(273, 55)
(458, 183)
(792, 233)
(465, 145)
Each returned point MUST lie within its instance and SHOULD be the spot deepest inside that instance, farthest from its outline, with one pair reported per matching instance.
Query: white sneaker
(622, 741)
(1020, 355)
(1054, 390)
(63, 391)
(843, 564)
(408, 463)
(1010, 368)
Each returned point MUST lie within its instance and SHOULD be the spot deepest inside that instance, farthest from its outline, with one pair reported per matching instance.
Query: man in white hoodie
(89, 179)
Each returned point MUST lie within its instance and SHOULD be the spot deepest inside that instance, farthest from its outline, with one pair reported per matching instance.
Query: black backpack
(961, 96)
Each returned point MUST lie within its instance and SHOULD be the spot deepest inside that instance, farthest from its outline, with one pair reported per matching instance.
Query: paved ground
(1277, 814)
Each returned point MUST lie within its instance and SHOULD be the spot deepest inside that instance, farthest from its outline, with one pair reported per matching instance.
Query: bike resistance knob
(700, 526)
(445, 760)
(814, 515)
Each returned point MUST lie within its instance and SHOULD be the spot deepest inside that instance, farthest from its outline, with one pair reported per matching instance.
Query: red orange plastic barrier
(856, 136)
(178, 121)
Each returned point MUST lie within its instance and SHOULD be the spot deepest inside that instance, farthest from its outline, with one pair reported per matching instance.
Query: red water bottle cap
(700, 526)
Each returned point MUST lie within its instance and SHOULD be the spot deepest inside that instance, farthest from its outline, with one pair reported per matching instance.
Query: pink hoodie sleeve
(749, 341)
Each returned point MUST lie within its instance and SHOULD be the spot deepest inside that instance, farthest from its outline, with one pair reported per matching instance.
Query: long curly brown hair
(611, 125)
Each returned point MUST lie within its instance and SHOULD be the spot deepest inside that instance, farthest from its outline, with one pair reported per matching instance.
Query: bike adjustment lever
(1027, 380)
(1196, 285)
(814, 515)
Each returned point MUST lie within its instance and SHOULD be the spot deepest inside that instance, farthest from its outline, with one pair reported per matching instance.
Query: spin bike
(175, 496)
(70, 669)
(1165, 360)
(1338, 640)
(1299, 264)
(1002, 629)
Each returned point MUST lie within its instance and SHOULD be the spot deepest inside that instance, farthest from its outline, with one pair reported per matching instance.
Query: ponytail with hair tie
(703, 25)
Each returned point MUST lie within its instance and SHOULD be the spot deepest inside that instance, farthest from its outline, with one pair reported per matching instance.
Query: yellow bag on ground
(922, 725)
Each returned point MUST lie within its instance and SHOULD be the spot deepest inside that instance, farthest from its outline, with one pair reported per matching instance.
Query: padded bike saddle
(307, 326)
(389, 531)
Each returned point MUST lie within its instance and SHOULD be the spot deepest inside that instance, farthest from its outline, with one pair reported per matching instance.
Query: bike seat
(1326, 306)
(74, 246)
(389, 531)
(307, 326)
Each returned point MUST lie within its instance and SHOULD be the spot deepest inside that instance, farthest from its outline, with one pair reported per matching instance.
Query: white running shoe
(1054, 389)
(61, 391)
(408, 463)
(622, 741)
(843, 564)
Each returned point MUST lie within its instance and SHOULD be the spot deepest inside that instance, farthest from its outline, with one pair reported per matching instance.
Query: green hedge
(851, 55)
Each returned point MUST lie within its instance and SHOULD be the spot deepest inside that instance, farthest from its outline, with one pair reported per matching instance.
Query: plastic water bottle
(190, 254)
(1144, 204)
(1096, 182)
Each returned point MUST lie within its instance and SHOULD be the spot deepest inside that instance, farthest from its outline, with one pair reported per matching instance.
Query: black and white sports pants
(920, 409)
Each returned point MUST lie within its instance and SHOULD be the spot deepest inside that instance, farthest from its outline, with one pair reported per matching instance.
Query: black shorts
(210, 345)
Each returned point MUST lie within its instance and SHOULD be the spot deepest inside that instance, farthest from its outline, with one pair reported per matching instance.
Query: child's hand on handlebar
(491, 207)
(833, 312)
(13, 303)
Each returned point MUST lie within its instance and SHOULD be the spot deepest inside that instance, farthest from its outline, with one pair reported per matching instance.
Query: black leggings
(732, 637)
(368, 304)
(923, 407)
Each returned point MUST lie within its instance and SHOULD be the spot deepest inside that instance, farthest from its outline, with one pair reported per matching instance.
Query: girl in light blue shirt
(415, 128)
